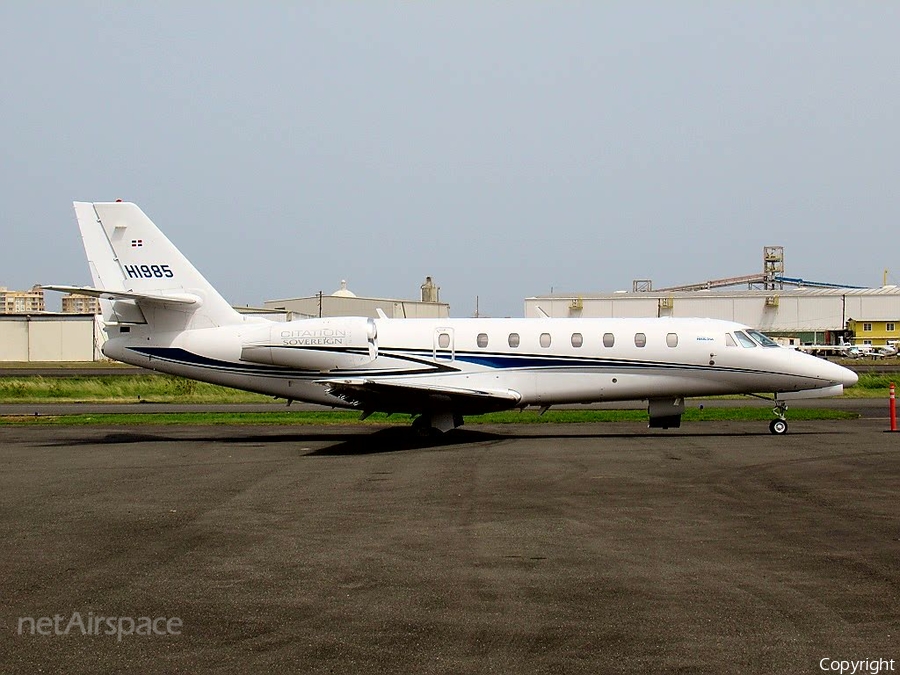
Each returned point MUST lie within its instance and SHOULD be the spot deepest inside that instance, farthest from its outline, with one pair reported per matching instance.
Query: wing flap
(416, 398)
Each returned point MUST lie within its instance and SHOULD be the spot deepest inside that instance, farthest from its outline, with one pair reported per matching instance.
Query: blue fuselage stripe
(424, 363)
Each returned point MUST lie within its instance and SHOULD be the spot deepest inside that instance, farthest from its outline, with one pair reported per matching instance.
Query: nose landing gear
(779, 426)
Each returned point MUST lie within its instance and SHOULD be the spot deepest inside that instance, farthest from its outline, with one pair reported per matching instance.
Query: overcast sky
(503, 148)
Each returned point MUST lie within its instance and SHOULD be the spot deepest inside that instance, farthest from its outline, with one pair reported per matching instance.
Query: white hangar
(814, 315)
(51, 337)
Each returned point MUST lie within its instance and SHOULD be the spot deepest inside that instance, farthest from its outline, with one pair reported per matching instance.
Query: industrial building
(59, 337)
(51, 337)
(813, 315)
(801, 311)
(29, 333)
(344, 302)
(809, 312)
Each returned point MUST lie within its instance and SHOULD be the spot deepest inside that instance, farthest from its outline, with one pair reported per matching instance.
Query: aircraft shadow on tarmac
(394, 439)
(399, 439)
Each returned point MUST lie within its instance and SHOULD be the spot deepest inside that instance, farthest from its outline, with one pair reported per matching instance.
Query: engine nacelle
(314, 344)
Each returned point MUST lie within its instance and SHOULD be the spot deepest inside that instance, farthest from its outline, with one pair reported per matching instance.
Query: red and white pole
(893, 409)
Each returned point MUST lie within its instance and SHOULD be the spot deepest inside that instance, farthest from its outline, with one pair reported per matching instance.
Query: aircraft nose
(845, 376)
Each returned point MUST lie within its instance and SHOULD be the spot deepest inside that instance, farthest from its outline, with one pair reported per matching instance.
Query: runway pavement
(715, 548)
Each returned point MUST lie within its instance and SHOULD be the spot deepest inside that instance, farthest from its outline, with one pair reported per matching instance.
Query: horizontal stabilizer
(157, 298)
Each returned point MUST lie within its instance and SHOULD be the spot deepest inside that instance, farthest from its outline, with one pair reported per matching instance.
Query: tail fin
(139, 268)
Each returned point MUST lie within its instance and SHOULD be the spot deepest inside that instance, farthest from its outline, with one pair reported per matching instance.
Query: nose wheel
(779, 426)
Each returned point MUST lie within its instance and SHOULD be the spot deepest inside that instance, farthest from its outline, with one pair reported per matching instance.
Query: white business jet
(163, 315)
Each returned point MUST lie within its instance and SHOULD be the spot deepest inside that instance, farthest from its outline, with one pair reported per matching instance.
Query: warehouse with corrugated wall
(50, 337)
(809, 313)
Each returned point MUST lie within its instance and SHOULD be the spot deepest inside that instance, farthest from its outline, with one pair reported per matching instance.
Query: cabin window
(729, 341)
(481, 340)
(672, 339)
(764, 340)
(609, 339)
(640, 340)
(743, 339)
(889, 327)
(513, 340)
(545, 339)
(867, 327)
(577, 339)
(444, 340)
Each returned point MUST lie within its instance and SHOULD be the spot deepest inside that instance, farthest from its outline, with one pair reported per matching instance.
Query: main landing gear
(433, 424)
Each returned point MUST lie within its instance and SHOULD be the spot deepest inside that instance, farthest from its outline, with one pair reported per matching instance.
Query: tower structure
(773, 268)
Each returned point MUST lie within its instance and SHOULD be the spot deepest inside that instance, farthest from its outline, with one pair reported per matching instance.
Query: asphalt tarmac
(608, 548)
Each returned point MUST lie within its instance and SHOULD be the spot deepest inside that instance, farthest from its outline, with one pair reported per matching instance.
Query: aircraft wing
(159, 298)
(415, 398)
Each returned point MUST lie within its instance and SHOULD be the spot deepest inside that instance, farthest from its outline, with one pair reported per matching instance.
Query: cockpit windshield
(743, 339)
(764, 340)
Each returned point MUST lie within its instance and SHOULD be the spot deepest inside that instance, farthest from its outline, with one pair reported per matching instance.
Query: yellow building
(80, 304)
(876, 333)
(21, 302)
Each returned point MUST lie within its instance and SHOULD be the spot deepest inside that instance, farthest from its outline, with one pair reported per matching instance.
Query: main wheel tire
(778, 427)
(422, 426)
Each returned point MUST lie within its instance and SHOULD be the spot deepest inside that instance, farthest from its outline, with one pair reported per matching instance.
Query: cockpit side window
(764, 340)
(729, 341)
(744, 339)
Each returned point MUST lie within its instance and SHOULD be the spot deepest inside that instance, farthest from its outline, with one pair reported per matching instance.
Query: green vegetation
(169, 389)
(873, 385)
(206, 418)
(119, 389)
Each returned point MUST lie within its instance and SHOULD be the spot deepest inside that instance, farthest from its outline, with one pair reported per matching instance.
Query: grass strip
(119, 389)
(171, 389)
